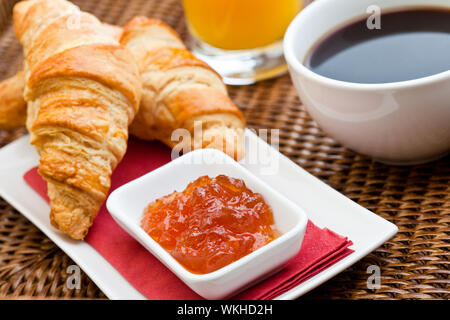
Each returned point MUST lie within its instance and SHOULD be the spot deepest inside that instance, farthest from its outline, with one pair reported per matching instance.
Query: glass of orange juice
(241, 39)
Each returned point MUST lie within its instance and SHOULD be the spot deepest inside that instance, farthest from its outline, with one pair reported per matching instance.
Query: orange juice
(240, 24)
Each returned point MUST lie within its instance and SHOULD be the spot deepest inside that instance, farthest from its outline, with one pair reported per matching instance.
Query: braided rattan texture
(414, 264)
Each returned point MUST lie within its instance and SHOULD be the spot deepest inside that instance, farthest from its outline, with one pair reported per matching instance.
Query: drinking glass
(241, 39)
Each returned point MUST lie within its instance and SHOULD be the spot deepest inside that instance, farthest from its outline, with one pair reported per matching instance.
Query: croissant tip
(61, 222)
(141, 21)
(225, 139)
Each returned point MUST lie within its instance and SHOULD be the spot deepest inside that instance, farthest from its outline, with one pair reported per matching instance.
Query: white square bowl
(127, 203)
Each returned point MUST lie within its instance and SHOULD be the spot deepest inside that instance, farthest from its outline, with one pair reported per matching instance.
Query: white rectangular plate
(325, 207)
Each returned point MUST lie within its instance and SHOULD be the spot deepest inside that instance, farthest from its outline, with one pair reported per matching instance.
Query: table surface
(414, 264)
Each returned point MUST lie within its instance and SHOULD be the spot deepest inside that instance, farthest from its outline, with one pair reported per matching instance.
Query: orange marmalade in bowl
(212, 223)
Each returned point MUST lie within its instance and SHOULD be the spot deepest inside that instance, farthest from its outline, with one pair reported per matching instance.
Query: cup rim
(298, 66)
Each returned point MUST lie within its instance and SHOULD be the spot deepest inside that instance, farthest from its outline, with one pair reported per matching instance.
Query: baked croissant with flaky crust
(82, 90)
(180, 91)
(13, 107)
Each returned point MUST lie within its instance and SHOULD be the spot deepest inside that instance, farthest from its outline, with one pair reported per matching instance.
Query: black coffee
(411, 44)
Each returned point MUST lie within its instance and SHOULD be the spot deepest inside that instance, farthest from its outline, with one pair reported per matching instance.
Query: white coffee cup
(405, 122)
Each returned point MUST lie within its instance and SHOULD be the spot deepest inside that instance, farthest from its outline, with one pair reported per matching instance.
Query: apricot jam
(212, 223)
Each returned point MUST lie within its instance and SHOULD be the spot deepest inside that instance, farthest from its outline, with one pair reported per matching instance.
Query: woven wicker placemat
(414, 264)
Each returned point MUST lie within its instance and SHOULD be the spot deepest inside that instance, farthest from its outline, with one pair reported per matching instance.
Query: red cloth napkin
(320, 249)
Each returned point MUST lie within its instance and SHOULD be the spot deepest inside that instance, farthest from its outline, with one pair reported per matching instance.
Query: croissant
(164, 62)
(13, 107)
(82, 90)
(180, 92)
